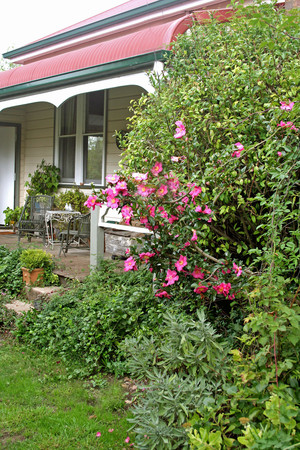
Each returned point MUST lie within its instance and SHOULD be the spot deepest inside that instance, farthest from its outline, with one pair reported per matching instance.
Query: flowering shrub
(201, 169)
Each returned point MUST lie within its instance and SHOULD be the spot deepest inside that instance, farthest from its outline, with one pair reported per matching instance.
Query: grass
(40, 408)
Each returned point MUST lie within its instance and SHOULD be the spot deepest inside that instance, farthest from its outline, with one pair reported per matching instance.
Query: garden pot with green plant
(35, 264)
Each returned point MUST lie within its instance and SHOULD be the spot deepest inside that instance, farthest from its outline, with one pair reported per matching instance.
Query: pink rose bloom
(181, 263)
(156, 169)
(129, 264)
(162, 190)
(197, 273)
(140, 176)
(171, 277)
(112, 178)
(237, 269)
(92, 202)
(201, 289)
(286, 107)
(112, 202)
(279, 153)
(162, 294)
(127, 439)
(180, 130)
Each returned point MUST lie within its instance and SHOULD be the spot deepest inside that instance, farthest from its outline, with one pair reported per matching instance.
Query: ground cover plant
(40, 408)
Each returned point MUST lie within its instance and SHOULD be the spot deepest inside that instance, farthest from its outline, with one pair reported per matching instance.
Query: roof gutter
(83, 75)
(95, 26)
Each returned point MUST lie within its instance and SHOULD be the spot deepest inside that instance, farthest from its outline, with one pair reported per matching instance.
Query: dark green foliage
(73, 197)
(44, 180)
(86, 325)
(10, 271)
(12, 215)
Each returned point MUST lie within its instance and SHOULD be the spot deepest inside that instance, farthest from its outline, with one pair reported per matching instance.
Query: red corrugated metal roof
(144, 41)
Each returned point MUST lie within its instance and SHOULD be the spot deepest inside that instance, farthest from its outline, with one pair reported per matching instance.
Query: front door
(8, 139)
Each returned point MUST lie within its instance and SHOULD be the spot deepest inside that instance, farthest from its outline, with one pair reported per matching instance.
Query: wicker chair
(78, 233)
(32, 219)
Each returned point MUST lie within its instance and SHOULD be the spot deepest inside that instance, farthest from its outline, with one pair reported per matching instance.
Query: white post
(96, 240)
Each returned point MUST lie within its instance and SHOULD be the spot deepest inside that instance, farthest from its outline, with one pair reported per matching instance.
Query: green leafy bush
(185, 368)
(86, 325)
(73, 197)
(10, 271)
(44, 180)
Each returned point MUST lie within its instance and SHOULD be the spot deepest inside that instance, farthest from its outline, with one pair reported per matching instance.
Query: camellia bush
(211, 167)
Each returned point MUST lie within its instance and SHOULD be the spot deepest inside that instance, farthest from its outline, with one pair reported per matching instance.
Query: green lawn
(40, 408)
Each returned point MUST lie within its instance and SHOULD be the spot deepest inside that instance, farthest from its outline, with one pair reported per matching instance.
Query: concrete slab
(19, 307)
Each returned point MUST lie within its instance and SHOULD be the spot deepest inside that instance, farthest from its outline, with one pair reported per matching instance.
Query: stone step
(39, 295)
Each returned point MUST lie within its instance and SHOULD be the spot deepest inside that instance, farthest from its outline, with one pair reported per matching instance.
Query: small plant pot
(33, 277)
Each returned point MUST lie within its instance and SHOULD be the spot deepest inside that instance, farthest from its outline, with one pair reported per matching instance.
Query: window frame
(80, 158)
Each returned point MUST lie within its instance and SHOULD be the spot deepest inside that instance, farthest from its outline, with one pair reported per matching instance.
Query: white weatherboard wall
(118, 112)
(38, 140)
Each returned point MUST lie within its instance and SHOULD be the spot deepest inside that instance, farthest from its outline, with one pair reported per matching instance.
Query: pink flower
(279, 153)
(110, 430)
(207, 210)
(143, 190)
(197, 273)
(151, 210)
(172, 219)
(237, 153)
(231, 297)
(112, 202)
(287, 125)
(239, 146)
(112, 178)
(156, 169)
(98, 434)
(161, 293)
(196, 191)
(139, 176)
(127, 213)
(286, 107)
(180, 130)
(162, 190)
(121, 186)
(129, 264)
(127, 439)
(146, 255)
(92, 202)
(194, 237)
(171, 277)
(200, 289)
(237, 269)
(181, 263)
(223, 288)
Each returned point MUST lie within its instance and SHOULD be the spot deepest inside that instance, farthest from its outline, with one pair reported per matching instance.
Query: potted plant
(12, 216)
(35, 262)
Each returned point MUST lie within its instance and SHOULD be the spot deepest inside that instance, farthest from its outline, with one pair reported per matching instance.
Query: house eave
(98, 72)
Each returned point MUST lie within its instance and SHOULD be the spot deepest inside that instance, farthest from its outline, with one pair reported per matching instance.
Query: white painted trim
(57, 96)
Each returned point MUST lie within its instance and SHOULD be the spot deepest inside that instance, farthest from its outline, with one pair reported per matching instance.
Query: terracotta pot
(31, 278)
